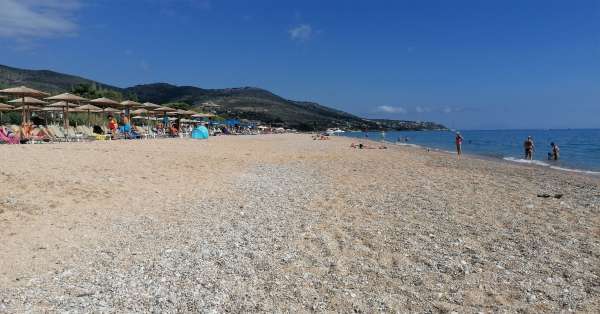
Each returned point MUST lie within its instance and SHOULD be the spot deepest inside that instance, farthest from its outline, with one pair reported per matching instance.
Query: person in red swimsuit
(458, 140)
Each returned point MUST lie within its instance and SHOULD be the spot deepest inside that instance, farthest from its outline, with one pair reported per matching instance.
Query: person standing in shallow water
(458, 140)
(555, 151)
(529, 147)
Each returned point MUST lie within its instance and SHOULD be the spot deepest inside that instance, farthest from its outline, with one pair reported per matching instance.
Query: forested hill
(244, 103)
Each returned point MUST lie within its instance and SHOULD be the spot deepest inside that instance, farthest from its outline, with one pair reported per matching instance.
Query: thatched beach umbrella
(89, 108)
(128, 105)
(143, 111)
(104, 103)
(62, 106)
(203, 115)
(68, 99)
(110, 109)
(164, 110)
(22, 92)
(26, 106)
(181, 113)
(3, 108)
(149, 105)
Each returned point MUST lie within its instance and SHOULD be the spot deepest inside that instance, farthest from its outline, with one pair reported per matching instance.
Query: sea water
(579, 148)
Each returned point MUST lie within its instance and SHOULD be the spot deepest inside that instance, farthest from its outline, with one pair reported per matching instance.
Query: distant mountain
(252, 103)
(45, 80)
(245, 103)
(402, 125)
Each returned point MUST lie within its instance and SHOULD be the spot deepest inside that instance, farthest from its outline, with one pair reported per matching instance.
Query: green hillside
(244, 103)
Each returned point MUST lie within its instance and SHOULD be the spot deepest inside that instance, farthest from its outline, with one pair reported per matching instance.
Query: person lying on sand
(362, 146)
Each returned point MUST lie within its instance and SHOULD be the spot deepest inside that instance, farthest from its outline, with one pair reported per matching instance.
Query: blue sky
(468, 64)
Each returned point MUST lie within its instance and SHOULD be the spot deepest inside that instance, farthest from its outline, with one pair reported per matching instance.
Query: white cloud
(26, 19)
(301, 32)
(391, 109)
(421, 109)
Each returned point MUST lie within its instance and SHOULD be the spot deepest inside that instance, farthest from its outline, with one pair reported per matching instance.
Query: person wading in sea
(555, 151)
(529, 148)
(458, 140)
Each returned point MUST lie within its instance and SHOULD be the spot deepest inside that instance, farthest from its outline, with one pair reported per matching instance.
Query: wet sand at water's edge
(286, 223)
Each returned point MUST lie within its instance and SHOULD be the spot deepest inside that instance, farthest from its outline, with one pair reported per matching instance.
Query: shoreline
(509, 160)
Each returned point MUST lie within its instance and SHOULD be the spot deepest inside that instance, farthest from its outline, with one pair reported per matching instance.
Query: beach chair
(143, 132)
(87, 132)
(56, 134)
(71, 134)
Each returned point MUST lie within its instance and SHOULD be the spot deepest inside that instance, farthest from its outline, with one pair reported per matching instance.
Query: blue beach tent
(200, 133)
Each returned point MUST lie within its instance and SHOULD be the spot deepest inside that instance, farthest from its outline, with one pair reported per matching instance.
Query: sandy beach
(283, 223)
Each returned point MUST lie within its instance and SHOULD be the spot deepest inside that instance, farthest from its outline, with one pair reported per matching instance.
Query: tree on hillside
(91, 91)
(179, 105)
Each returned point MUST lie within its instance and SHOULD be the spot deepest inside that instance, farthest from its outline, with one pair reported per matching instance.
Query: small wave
(576, 170)
(409, 145)
(543, 164)
(527, 161)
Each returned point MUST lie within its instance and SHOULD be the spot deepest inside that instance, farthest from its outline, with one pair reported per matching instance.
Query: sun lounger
(57, 134)
(73, 135)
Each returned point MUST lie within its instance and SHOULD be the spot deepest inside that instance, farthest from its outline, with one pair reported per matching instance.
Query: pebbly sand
(286, 224)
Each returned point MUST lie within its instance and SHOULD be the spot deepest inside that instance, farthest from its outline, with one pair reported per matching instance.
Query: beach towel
(8, 139)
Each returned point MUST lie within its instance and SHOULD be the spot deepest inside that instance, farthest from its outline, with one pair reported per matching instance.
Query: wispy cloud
(422, 109)
(30, 19)
(391, 109)
(450, 109)
(301, 33)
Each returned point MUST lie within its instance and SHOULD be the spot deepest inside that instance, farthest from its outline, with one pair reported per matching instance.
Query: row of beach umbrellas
(27, 100)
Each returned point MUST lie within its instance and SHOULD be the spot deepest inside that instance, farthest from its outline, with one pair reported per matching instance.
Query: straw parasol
(26, 106)
(62, 104)
(68, 99)
(72, 109)
(140, 111)
(104, 102)
(164, 110)
(22, 92)
(128, 104)
(110, 109)
(180, 113)
(149, 105)
(3, 108)
(89, 108)
(29, 108)
(203, 115)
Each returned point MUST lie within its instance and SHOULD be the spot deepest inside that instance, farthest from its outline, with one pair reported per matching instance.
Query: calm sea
(579, 149)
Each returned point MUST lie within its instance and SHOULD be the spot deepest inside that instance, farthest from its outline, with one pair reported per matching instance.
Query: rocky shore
(284, 223)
